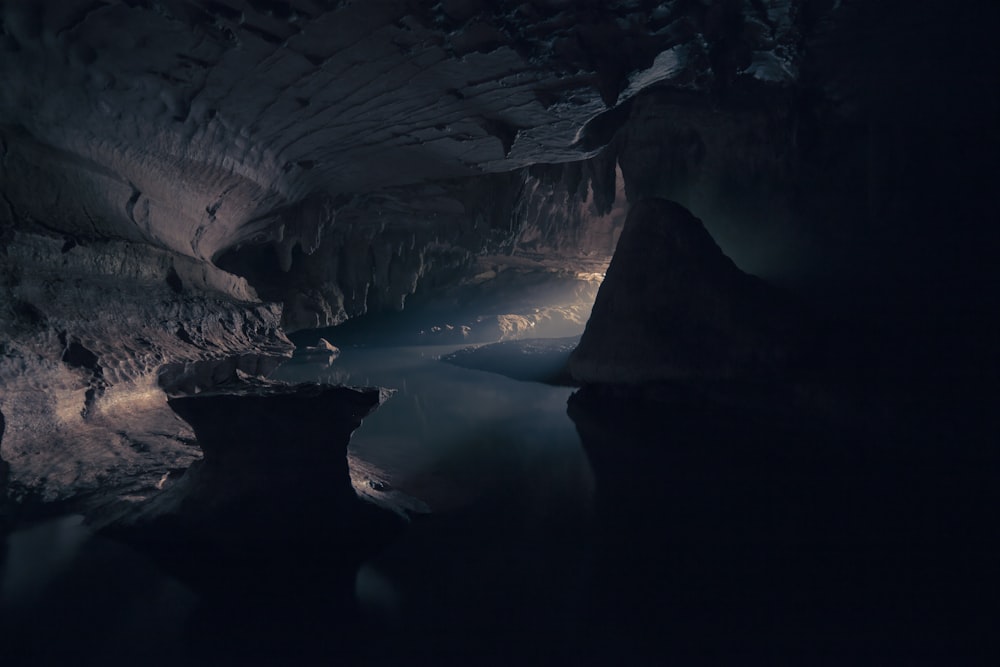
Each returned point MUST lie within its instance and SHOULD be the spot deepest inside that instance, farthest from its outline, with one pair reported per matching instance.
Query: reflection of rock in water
(267, 527)
(741, 525)
(323, 352)
(374, 482)
(275, 465)
(377, 595)
(68, 596)
(38, 554)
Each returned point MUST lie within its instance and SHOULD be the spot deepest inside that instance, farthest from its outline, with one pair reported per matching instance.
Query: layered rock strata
(92, 336)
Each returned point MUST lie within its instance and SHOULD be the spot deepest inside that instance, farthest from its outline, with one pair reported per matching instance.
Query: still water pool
(491, 470)
(453, 437)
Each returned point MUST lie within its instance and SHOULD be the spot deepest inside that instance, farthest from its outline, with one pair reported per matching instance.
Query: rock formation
(267, 528)
(93, 335)
(274, 472)
(673, 306)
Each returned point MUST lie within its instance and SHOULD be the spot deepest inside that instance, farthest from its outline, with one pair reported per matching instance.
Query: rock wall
(386, 248)
(87, 330)
(363, 133)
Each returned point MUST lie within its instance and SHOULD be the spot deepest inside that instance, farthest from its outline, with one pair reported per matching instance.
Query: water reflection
(737, 527)
(501, 491)
(452, 437)
(503, 561)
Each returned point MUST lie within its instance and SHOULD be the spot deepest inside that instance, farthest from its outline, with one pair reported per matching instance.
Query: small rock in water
(323, 347)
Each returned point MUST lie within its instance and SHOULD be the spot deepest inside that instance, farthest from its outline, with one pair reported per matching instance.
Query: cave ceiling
(194, 125)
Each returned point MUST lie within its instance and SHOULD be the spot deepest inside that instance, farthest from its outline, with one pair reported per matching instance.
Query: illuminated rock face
(673, 306)
(92, 337)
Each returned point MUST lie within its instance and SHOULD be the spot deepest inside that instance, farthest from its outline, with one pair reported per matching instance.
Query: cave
(466, 332)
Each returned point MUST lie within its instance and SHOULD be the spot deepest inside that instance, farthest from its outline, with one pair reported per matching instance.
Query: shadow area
(801, 525)
(249, 558)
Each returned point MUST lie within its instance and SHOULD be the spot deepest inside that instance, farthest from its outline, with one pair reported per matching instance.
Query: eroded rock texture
(306, 127)
(92, 335)
(211, 118)
(674, 306)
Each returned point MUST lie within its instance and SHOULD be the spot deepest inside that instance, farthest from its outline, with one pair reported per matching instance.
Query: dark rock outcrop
(266, 529)
(673, 306)
(274, 475)
(772, 511)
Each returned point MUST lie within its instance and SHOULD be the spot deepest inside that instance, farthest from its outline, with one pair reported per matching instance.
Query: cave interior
(513, 332)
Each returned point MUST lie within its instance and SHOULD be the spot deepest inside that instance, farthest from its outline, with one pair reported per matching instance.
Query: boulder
(673, 306)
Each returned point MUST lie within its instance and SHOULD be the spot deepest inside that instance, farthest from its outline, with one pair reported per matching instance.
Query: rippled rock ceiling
(168, 168)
